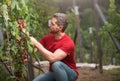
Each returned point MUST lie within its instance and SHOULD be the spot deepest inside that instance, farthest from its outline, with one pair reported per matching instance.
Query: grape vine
(15, 47)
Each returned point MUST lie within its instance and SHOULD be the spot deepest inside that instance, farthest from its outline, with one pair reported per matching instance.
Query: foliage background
(38, 12)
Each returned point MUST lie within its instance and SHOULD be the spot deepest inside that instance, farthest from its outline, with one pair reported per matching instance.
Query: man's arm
(51, 57)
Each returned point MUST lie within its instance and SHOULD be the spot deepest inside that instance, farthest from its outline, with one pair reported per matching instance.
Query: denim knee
(56, 65)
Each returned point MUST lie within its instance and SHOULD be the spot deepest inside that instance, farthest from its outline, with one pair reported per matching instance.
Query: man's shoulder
(46, 37)
(68, 38)
(68, 41)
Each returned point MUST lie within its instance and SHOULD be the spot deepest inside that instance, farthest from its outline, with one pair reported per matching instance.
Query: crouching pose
(58, 48)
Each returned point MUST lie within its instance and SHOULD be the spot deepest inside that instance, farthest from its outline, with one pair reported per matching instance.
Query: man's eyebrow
(52, 22)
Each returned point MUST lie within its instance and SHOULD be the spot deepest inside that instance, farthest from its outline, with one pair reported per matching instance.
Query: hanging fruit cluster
(15, 46)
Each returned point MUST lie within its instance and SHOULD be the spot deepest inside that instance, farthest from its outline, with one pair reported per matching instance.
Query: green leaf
(1, 55)
(12, 77)
(15, 5)
(13, 33)
(30, 46)
(5, 12)
(18, 37)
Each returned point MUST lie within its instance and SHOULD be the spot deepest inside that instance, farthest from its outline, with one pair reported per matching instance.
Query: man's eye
(52, 23)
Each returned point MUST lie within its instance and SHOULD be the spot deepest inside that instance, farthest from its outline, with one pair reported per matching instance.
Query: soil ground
(87, 74)
(92, 74)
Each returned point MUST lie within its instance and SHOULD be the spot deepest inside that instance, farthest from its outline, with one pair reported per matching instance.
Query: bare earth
(94, 75)
(91, 74)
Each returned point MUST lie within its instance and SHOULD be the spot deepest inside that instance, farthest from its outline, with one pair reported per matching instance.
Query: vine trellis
(16, 50)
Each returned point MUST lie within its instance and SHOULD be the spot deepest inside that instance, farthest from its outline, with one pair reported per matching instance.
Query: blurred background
(94, 26)
(93, 36)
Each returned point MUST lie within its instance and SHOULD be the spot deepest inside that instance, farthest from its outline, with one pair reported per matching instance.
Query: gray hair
(62, 19)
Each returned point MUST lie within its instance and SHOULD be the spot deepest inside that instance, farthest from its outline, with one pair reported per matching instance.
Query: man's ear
(61, 27)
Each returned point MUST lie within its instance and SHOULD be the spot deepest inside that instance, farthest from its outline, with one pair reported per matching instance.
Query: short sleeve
(68, 47)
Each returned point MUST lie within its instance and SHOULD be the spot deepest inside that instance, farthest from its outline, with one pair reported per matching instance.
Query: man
(58, 48)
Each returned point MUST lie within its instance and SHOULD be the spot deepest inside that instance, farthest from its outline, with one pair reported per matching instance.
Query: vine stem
(8, 43)
(6, 67)
(10, 7)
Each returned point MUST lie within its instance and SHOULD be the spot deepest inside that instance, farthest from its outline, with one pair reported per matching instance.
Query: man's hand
(22, 24)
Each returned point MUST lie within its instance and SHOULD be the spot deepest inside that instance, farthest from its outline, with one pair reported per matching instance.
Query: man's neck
(59, 35)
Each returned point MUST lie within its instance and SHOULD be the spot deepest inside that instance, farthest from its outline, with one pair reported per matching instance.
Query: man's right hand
(22, 24)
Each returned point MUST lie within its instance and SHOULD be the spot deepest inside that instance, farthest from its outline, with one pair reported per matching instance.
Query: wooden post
(78, 32)
(99, 48)
(30, 69)
(91, 45)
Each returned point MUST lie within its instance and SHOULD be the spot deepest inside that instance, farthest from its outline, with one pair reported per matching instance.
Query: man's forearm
(47, 54)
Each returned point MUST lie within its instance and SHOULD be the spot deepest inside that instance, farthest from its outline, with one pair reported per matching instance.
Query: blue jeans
(61, 72)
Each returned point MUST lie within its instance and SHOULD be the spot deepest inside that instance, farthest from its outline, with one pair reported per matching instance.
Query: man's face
(53, 27)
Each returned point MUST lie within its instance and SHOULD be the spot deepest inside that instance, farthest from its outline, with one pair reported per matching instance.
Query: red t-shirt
(66, 44)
